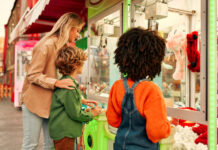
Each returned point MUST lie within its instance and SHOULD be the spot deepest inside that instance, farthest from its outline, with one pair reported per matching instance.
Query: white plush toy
(184, 140)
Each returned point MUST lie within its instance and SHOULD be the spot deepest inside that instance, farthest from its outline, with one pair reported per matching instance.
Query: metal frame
(190, 83)
(204, 48)
(195, 116)
(118, 6)
(132, 14)
(211, 76)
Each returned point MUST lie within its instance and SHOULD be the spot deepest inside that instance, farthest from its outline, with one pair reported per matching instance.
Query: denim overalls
(131, 134)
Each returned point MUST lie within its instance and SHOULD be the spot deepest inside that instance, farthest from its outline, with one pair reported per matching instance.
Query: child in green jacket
(66, 114)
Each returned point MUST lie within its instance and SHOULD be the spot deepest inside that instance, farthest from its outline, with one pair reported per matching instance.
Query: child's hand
(87, 109)
(89, 103)
(96, 111)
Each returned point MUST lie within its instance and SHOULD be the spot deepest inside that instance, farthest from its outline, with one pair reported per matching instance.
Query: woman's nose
(77, 36)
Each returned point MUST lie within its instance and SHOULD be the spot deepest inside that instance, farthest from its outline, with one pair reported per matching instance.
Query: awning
(44, 14)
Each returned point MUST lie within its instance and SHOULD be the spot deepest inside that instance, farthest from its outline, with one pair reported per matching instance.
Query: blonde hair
(68, 58)
(62, 28)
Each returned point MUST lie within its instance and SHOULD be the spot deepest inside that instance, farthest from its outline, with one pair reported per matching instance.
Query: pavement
(11, 128)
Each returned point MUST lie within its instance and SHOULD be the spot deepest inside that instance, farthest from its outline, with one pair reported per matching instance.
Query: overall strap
(126, 86)
(129, 96)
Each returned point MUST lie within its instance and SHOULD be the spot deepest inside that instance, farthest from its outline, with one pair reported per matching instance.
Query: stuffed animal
(176, 41)
(201, 130)
(203, 138)
(192, 52)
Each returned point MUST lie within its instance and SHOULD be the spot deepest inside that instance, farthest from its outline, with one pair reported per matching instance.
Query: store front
(23, 55)
(190, 94)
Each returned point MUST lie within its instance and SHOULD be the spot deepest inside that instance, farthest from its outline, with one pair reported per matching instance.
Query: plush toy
(203, 138)
(176, 41)
(201, 130)
(192, 52)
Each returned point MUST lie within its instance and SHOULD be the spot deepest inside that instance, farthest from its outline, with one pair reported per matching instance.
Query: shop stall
(187, 80)
(23, 55)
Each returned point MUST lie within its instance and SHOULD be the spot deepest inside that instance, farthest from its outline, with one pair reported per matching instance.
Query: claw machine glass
(173, 26)
(104, 31)
(23, 55)
(173, 19)
(103, 36)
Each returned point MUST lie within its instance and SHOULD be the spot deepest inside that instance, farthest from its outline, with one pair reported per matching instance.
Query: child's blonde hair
(68, 58)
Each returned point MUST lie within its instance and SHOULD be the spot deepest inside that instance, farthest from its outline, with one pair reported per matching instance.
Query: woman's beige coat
(40, 79)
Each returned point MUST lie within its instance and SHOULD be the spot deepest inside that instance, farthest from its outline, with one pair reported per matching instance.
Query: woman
(41, 80)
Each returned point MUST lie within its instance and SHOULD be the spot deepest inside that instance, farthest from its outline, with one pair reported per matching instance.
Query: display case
(180, 86)
(186, 91)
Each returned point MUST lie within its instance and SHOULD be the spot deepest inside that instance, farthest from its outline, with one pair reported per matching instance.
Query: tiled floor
(11, 131)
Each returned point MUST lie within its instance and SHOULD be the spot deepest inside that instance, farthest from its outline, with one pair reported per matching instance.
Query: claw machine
(105, 25)
(23, 55)
(187, 91)
(185, 70)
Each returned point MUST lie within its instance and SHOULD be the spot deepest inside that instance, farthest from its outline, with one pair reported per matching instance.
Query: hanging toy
(192, 52)
(176, 42)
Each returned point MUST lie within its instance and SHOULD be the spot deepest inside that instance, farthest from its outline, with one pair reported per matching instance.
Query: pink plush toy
(176, 41)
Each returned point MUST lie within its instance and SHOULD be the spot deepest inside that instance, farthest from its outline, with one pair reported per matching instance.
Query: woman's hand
(65, 84)
(89, 102)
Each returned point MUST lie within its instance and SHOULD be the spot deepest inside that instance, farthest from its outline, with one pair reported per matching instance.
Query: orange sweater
(150, 104)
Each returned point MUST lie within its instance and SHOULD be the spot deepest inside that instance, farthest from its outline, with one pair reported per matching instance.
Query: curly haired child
(136, 105)
(66, 114)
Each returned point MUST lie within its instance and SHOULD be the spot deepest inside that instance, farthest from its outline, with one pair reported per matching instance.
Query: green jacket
(66, 114)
